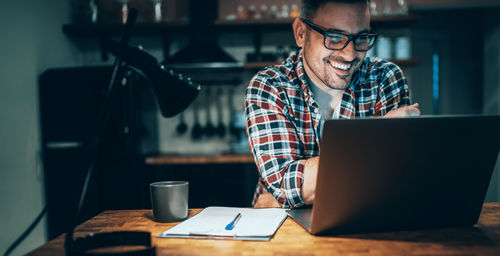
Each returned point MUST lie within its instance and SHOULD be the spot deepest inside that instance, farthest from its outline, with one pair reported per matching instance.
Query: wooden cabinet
(222, 180)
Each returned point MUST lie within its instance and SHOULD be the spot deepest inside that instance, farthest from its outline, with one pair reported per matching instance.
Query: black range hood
(203, 46)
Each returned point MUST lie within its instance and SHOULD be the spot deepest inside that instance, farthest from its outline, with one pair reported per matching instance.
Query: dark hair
(309, 8)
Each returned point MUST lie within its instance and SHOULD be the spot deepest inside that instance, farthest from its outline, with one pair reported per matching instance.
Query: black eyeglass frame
(350, 37)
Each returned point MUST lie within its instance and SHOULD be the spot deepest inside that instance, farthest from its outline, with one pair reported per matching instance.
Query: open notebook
(254, 224)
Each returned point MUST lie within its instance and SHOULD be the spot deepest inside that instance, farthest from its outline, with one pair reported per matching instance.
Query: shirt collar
(303, 79)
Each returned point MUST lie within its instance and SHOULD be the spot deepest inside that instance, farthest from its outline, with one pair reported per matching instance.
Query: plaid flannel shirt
(284, 124)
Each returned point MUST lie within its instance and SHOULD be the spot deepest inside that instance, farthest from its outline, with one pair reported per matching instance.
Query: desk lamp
(173, 93)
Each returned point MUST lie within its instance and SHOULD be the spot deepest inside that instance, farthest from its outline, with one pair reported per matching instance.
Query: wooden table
(291, 239)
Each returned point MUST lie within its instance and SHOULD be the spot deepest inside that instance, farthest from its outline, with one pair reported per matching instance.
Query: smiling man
(330, 77)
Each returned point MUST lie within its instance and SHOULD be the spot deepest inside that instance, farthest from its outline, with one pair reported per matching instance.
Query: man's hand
(406, 111)
(309, 179)
(266, 200)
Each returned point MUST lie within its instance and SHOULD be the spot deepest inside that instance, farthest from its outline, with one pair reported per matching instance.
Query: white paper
(212, 221)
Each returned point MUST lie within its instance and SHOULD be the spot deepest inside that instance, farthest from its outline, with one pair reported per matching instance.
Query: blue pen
(231, 225)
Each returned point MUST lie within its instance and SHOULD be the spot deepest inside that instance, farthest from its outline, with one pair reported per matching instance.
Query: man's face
(334, 69)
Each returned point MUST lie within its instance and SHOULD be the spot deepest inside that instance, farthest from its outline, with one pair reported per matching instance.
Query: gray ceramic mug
(169, 200)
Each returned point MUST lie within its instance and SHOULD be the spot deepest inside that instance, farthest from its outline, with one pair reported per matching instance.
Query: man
(286, 105)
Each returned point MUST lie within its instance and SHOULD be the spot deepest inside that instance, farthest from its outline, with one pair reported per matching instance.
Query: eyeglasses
(338, 40)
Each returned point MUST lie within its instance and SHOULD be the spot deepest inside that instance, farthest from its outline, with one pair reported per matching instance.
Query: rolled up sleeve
(274, 142)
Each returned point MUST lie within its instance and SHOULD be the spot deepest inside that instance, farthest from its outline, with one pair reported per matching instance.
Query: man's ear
(299, 31)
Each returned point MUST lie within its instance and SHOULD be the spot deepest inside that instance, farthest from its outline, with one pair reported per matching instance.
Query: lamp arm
(81, 245)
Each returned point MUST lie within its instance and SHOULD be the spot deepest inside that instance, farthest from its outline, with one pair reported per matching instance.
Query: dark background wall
(32, 41)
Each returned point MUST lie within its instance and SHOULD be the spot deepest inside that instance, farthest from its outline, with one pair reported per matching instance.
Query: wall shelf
(91, 30)
(199, 159)
(258, 65)
(376, 21)
(222, 65)
(259, 22)
(257, 27)
(104, 31)
(160, 28)
(452, 4)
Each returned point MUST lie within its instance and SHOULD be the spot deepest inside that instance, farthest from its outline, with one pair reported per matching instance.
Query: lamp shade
(173, 91)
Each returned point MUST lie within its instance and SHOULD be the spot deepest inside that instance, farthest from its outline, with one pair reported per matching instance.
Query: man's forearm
(309, 179)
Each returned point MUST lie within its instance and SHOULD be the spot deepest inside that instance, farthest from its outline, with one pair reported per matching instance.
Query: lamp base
(84, 245)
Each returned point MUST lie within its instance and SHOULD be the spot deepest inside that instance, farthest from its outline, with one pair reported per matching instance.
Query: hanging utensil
(221, 129)
(233, 130)
(182, 126)
(197, 130)
(209, 129)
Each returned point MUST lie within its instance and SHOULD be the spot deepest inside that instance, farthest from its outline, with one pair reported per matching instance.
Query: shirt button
(316, 111)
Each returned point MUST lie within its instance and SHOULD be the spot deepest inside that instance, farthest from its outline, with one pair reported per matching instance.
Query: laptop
(378, 175)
